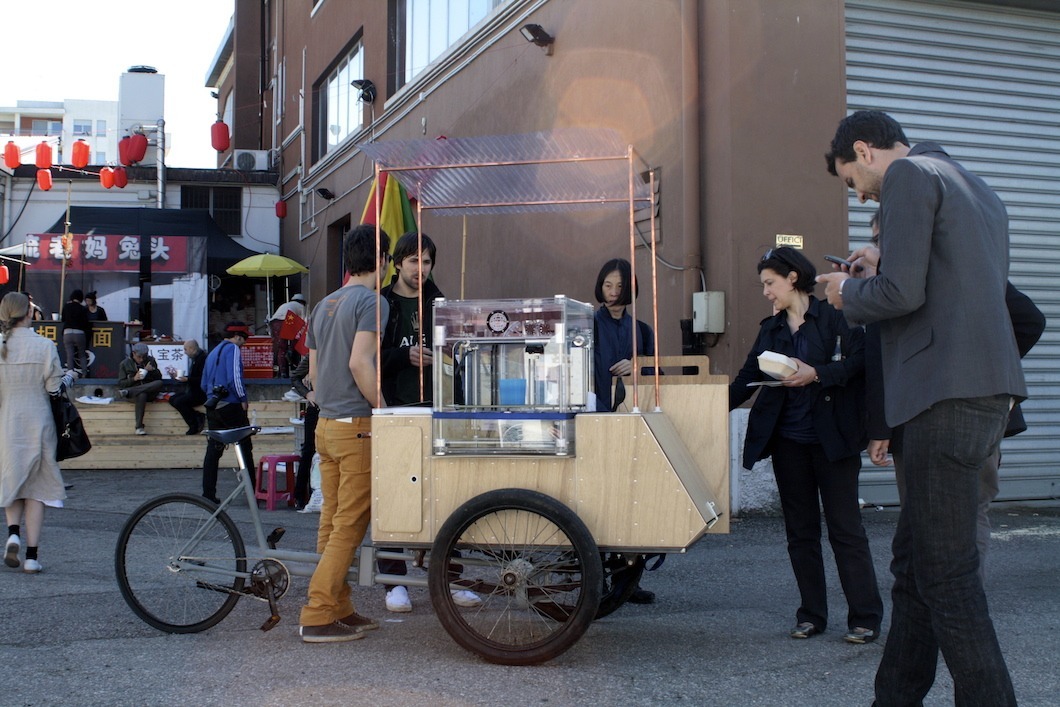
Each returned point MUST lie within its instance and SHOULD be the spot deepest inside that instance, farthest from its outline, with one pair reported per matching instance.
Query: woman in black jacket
(813, 425)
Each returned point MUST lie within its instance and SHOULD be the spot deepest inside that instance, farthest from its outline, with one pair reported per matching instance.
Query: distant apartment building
(61, 123)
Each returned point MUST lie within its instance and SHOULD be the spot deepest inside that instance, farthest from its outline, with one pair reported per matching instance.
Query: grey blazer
(940, 292)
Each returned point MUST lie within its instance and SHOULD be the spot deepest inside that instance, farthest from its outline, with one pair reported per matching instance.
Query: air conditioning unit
(250, 160)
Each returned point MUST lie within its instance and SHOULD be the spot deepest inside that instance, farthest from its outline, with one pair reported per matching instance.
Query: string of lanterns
(131, 150)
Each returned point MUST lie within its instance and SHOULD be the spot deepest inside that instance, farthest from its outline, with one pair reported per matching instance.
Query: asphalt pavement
(717, 634)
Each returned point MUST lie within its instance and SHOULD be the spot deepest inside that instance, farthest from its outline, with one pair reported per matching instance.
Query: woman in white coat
(29, 474)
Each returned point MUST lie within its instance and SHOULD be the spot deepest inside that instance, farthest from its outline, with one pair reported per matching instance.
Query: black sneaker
(123, 394)
(334, 632)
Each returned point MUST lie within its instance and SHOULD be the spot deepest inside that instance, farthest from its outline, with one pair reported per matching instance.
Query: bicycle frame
(300, 563)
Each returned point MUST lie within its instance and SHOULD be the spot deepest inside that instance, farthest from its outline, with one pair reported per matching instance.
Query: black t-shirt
(407, 385)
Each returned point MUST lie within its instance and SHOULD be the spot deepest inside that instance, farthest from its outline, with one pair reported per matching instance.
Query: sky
(59, 49)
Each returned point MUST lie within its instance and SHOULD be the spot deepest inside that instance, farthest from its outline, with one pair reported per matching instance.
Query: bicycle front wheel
(172, 583)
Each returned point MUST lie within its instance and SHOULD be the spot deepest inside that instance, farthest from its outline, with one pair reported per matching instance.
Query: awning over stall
(221, 251)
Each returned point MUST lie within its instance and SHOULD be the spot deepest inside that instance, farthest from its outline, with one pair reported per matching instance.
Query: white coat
(27, 431)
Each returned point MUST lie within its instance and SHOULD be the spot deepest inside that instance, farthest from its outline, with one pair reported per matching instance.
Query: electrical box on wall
(708, 312)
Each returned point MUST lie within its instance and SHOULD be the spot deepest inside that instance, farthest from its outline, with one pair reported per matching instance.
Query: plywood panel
(629, 494)
(397, 483)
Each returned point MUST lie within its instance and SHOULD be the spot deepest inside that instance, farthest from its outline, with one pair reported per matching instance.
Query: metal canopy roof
(558, 170)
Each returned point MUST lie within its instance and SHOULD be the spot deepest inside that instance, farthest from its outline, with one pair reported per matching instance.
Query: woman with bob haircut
(812, 424)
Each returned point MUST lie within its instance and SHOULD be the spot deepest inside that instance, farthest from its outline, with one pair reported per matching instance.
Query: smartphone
(839, 261)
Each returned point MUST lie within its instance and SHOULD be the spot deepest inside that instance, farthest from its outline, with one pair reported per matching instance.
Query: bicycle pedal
(274, 537)
(271, 622)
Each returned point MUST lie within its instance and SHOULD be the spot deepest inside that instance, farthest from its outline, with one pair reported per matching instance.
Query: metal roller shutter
(984, 82)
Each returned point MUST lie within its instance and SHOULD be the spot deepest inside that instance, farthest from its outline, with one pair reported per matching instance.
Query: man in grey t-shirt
(343, 337)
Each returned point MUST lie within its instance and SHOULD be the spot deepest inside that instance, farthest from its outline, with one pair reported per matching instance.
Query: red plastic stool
(268, 470)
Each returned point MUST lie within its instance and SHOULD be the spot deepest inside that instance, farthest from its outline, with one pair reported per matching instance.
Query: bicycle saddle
(234, 435)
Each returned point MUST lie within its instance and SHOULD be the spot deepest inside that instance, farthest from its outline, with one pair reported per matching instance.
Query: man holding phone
(937, 217)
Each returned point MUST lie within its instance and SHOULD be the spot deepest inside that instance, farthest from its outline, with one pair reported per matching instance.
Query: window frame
(329, 89)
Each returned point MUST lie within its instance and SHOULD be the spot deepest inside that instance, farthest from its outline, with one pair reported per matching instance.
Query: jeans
(305, 463)
(227, 417)
(346, 482)
(807, 480)
(75, 344)
(938, 598)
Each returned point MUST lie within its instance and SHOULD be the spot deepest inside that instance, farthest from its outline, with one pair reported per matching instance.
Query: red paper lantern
(281, 209)
(121, 177)
(219, 137)
(44, 179)
(106, 177)
(12, 155)
(4, 275)
(81, 153)
(44, 156)
(137, 147)
(123, 151)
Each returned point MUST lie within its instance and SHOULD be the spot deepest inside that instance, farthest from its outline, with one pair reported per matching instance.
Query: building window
(335, 103)
(225, 204)
(101, 128)
(47, 127)
(82, 128)
(424, 29)
(101, 157)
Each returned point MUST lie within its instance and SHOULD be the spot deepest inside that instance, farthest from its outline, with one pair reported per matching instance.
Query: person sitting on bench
(139, 380)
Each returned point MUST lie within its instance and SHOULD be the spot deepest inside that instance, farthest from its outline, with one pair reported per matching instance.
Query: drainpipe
(690, 141)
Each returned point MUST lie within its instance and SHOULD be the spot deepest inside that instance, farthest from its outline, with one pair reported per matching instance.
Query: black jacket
(839, 405)
(396, 357)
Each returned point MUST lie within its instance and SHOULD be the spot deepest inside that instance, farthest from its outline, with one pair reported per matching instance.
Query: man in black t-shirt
(407, 341)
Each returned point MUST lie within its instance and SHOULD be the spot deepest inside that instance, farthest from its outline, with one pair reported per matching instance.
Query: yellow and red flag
(397, 216)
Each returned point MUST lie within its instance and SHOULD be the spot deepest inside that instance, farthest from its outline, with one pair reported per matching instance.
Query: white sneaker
(397, 600)
(14, 544)
(141, 431)
(31, 567)
(292, 396)
(466, 599)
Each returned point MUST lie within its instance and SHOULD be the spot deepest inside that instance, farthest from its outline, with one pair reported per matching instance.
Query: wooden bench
(165, 446)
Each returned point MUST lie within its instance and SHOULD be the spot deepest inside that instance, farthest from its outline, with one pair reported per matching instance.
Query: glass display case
(513, 374)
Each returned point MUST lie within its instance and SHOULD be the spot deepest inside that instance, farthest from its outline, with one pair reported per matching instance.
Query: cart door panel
(397, 483)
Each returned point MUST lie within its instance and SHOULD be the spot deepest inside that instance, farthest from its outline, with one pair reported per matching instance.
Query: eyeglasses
(875, 240)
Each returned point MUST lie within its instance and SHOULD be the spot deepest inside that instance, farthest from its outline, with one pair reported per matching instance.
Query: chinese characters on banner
(108, 253)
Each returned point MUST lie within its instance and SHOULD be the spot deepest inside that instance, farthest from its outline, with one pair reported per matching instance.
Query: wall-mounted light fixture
(535, 34)
(367, 89)
(325, 193)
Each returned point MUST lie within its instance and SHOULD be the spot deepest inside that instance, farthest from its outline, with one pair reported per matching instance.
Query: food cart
(518, 490)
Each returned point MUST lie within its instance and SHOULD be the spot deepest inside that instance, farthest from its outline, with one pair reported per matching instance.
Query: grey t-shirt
(334, 322)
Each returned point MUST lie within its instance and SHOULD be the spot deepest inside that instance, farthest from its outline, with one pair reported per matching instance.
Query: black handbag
(71, 438)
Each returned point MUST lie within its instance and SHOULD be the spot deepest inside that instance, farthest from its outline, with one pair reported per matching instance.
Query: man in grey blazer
(951, 371)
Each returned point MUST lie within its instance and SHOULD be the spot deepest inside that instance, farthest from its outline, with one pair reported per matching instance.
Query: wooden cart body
(646, 481)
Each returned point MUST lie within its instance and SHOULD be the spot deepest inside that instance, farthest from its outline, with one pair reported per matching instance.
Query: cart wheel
(535, 567)
(620, 581)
